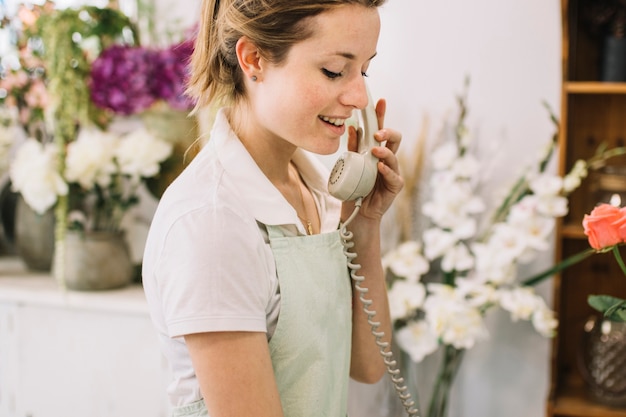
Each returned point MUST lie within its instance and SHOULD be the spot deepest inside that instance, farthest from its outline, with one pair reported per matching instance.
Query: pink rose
(605, 226)
(621, 224)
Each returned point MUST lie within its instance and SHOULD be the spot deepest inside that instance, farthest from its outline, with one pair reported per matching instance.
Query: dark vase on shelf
(614, 59)
(603, 361)
(34, 236)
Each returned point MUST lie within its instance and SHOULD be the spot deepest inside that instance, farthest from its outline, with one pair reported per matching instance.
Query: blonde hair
(272, 25)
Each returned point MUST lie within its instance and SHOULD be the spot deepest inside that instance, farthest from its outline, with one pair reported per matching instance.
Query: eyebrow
(351, 56)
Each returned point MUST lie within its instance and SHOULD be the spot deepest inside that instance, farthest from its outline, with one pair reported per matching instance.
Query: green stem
(440, 398)
(572, 260)
(618, 258)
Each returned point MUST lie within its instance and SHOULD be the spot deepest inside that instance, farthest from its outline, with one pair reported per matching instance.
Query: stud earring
(253, 78)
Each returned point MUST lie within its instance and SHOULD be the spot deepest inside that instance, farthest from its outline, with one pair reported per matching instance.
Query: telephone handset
(352, 178)
(354, 173)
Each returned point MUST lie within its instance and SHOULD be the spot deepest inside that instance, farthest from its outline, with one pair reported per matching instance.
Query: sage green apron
(311, 345)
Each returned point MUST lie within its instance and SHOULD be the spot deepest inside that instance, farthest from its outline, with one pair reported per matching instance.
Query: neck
(271, 153)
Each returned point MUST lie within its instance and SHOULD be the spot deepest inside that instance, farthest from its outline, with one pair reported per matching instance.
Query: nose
(356, 93)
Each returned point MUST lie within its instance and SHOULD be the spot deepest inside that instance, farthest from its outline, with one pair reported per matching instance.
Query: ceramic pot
(34, 236)
(96, 261)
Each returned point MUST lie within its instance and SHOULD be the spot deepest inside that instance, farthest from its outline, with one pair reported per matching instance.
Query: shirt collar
(262, 198)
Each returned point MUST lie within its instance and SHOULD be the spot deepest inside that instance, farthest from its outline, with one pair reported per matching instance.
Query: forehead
(349, 31)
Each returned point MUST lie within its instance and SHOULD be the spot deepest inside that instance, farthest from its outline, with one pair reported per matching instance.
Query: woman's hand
(388, 182)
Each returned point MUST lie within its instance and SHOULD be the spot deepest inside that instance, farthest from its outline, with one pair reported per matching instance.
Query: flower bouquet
(100, 176)
(442, 285)
(97, 77)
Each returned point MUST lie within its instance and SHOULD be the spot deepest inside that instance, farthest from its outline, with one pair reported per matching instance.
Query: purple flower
(120, 79)
(171, 73)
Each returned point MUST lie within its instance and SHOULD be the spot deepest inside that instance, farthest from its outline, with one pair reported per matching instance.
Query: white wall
(511, 51)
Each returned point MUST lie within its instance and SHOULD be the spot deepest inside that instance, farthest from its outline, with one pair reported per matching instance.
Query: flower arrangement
(442, 285)
(101, 174)
(90, 70)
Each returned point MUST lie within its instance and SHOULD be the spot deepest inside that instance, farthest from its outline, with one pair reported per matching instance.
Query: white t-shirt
(207, 264)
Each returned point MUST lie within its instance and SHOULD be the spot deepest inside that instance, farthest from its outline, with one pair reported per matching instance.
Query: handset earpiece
(354, 173)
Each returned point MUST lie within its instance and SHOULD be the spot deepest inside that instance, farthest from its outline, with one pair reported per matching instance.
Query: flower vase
(34, 236)
(614, 59)
(603, 360)
(96, 261)
(449, 367)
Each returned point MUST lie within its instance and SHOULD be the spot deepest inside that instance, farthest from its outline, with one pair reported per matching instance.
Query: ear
(249, 57)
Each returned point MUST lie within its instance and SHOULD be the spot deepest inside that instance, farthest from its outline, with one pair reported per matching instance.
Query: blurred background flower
(102, 174)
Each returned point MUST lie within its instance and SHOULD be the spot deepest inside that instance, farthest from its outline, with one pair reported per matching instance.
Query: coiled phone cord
(398, 381)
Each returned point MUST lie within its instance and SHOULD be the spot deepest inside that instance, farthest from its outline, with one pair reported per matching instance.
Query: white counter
(76, 354)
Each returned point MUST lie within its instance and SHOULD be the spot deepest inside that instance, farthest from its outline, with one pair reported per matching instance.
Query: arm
(367, 364)
(235, 373)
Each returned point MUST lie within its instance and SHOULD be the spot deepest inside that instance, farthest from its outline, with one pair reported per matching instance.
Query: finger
(393, 180)
(391, 136)
(353, 138)
(381, 109)
(387, 157)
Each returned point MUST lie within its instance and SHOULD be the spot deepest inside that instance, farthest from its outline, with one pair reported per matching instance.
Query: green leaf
(612, 308)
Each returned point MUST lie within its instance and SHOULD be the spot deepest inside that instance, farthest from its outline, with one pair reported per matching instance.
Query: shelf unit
(593, 112)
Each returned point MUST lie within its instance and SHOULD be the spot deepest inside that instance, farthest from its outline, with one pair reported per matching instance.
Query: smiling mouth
(332, 121)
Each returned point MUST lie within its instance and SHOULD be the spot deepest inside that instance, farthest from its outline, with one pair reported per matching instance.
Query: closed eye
(330, 74)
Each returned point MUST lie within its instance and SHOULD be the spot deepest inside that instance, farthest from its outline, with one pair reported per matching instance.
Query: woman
(244, 269)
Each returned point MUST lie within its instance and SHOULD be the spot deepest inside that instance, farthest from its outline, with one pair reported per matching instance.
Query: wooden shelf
(592, 115)
(592, 87)
(573, 231)
(573, 400)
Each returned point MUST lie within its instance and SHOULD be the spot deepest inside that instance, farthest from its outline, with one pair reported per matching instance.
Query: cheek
(294, 106)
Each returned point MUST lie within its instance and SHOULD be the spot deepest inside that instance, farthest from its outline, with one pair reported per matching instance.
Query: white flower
(465, 167)
(571, 182)
(464, 328)
(526, 219)
(444, 156)
(140, 154)
(544, 322)
(452, 203)
(554, 206)
(458, 258)
(91, 47)
(521, 302)
(573, 179)
(406, 261)
(404, 298)
(34, 173)
(417, 339)
(476, 293)
(508, 243)
(89, 158)
(477, 260)
(493, 265)
(437, 242)
(452, 318)
(546, 185)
